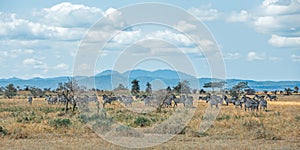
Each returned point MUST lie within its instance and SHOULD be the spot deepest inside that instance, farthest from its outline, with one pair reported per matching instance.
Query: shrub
(60, 122)
(142, 122)
(226, 117)
(297, 118)
(3, 131)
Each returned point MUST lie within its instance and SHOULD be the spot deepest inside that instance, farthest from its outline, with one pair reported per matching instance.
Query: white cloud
(280, 41)
(15, 28)
(232, 56)
(185, 26)
(254, 56)
(36, 64)
(70, 15)
(242, 16)
(279, 7)
(272, 58)
(281, 19)
(177, 39)
(295, 58)
(127, 37)
(61, 66)
(205, 13)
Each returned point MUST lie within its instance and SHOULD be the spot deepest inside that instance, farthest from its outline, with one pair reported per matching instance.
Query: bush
(60, 122)
(142, 122)
(226, 117)
(3, 131)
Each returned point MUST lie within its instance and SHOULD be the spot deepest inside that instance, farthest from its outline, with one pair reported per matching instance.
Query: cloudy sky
(258, 39)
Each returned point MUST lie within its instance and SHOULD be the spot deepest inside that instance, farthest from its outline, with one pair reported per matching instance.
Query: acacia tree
(67, 90)
(237, 89)
(10, 91)
(288, 91)
(183, 87)
(135, 88)
(120, 87)
(169, 90)
(214, 85)
(296, 88)
(149, 88)
(36, 92)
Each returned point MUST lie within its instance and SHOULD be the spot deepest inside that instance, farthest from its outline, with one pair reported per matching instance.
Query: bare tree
(67, 90)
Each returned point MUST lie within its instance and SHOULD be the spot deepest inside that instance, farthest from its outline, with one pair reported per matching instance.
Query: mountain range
(109, 79)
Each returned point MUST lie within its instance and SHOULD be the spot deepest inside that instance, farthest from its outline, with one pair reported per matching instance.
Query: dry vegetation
(43, 126)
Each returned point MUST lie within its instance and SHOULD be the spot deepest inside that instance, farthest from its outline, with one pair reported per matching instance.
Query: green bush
(60, 122)
(142, 122)
(3, 131)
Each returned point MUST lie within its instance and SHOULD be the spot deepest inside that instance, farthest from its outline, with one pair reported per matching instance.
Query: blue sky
(259, 40)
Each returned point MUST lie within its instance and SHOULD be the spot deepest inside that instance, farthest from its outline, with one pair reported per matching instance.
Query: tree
(202, 91)
(135, 88)
(194, 91)
(169, 90)
(149, 88)
(36, 92)
(120, 87)
(296, 88)
(214, 85)
(183, 87)
(250, 91)
(237, 89)
(288, 91)
(10, 91)
(67, 90)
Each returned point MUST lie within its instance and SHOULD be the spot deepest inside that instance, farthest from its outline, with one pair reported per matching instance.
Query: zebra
(238, 103)
(215, 100)
(251, 104)
(179, 100)
(247, 104)
(263, 104)
(30, 100)
(257, 97)
(272, 97)
(189, 101)
(51, 100)
(226, 99)
(127, 100)
(167, 101)
(206, 98)
(109, 100)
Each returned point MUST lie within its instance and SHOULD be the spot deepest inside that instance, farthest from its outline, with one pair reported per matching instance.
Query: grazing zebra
(247, 104)
(127, 100)
(251, 104)
(30, 100)
(255, 105)
(51, 100)
(215, 100)
(263, 104)
(257, 97)
(206, 98)
(179, 100)
(167, 101)
(226, 99)
(238, 103)
(189, 101)
(272, 97)
(109, 100)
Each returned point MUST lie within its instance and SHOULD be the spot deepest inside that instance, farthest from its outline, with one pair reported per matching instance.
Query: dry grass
(42, 126)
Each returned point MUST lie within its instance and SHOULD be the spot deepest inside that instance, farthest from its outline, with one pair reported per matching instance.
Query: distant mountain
(110, 79)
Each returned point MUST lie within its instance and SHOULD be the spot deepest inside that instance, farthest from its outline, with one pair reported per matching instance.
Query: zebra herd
(255, 103)
(153, 100)
(169, 100)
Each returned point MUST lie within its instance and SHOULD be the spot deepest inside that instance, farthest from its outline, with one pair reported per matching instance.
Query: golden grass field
(34, 126)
